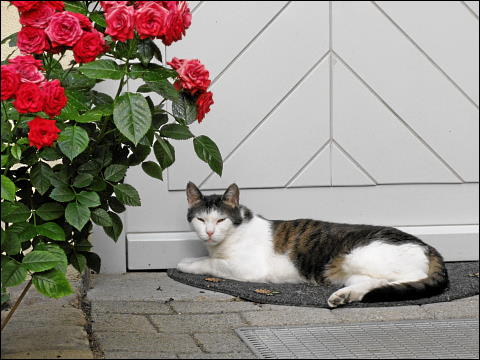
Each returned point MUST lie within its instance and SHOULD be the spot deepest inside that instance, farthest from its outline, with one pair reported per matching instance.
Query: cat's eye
(220, 220)
(200, 219)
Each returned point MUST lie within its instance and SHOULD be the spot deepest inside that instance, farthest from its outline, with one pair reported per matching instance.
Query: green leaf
(115, 172)
(88, 198)
(98, 18)
(116, 205)
(16, 151)
(25, 231)
(140, 153)
(114, 231)
(176, 131)
(164, 88)
(40, 175)
(38, 260)
(4, 160)
(100, 98)
(76, 7)
(153, 169)
(8, 189)
(102, 69)
(185, 108)
(83, 245)
(52, 283)
(127, 194)
(82, 180)
(75, 80)
(90, 167)
(50, 154)
(208, 151)
(93, 261)
(101, 217)
(78, 261)
(145, 51)
(58, 251)
(15, 212)
(52, 231)
(12, 243)
(77, 215)
(13, 273)
(132, 116)
(159, 119)
(164, 152)
(50, 211)
(78, 100)
(151, 72)
(73, 141)
(62, 193)
(90, 116)
(98, 185)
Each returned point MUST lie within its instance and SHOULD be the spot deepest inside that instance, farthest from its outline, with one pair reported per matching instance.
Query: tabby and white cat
(373, 263)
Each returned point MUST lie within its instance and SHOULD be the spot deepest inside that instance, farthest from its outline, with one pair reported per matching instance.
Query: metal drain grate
(427, 339)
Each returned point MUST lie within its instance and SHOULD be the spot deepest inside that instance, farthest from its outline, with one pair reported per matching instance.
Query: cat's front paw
(185, 265)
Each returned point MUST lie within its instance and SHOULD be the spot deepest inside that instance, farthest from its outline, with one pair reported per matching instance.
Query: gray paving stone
(45, 316)
(43, 338)
(121, 322)
(394, 313)
(143, 287)
(290, 315)
(187, 323)
(453, 310)
(190, 307)
(51, 354)
(138, 355)
(217, 356)
(130, 307)
(227, 342)
(138, 342)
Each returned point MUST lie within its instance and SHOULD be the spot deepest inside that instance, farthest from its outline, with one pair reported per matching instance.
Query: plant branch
(14, 308)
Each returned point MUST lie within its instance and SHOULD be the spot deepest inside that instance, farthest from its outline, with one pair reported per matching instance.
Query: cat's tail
(435, 283)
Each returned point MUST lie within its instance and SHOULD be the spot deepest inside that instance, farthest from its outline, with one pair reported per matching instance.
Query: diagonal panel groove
(404, 33)
(246, 47)
(309, 161)
(196, 7)
(357, 164)
(470, 10)
(317, 63)
(413, 132)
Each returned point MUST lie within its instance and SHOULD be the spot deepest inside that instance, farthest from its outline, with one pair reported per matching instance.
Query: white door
(359, 112)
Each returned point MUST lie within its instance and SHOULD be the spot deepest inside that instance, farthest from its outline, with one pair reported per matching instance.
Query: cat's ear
(193, 194)
(231, 195)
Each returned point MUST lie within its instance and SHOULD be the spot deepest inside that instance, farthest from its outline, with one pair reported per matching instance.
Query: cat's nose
(210, 233)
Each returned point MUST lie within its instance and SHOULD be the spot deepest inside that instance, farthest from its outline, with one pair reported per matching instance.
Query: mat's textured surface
(463, 283)
(432, 339)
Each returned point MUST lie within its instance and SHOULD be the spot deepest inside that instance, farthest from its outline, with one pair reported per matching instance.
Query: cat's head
(214, 217)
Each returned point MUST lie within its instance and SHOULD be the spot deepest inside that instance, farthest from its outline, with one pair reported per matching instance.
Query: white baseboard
(149, 251)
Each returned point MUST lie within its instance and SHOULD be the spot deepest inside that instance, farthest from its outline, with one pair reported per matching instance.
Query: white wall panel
(406, 80)
(446, 32)
(345, 172)
(377, 139)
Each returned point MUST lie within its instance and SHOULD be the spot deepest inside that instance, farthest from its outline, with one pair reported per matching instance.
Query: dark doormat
(463, 283)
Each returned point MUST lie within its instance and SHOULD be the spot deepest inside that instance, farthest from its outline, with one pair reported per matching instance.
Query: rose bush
(66, 147)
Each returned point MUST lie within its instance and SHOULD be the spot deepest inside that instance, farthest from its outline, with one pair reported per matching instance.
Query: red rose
(31, 40)
(85, 22)
(169, 5)
(10, 81)
(43, 132)
(64, 29)
(37, 17)
(28, 68)
(204, 101)
(150, 20)
(24, 5)
(179, 20)
(120, 22)
(54, 98)
(29, 98)
(193, 75)
(57, 5)
(90, 45)
(107, 5)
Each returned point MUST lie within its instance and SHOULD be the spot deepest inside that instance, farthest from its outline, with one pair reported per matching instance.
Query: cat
(372, 263)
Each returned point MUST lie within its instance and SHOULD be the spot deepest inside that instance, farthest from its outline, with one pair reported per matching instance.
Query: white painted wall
(360, 112)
